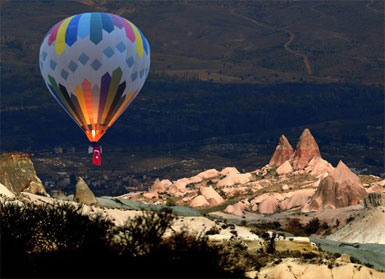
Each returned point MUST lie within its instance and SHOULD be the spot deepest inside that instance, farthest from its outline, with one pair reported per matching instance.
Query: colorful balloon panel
(94, 65)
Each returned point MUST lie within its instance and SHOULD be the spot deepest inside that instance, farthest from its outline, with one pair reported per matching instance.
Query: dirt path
(369, 6)
(305, 58)
(286, 45)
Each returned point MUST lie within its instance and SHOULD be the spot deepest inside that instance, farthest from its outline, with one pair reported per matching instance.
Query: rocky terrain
(293, 181)
(18, 174)
(298, 193)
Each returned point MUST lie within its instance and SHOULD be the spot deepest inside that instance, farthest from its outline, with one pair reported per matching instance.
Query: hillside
(278, 67)
(264, 41)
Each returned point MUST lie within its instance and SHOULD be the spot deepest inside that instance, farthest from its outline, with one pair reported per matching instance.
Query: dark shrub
(59, 241)
(170, 202)
(295, 227)
(313, 226)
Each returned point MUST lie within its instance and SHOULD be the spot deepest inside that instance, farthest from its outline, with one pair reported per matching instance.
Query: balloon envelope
(94, 65)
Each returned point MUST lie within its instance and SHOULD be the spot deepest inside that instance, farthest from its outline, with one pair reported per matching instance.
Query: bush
(170, 202)
(59, 241)
(295, 227)
(313, 226)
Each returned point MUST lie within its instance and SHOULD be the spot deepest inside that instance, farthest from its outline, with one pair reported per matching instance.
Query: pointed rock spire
(307, 149)
(282, 153)
(83, 193)
(343, 173)
(340, 189)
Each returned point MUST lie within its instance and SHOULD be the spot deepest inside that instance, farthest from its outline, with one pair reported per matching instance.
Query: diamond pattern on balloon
(64, 74)
(44, 55)
(72, 66)
(134, 76)
(52, 64)
(141, 73)
(121, 47)
(130, 61)
(96, 64)
(108, 52)
(83, 58)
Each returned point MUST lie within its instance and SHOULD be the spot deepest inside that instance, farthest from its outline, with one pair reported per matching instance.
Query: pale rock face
(58, 194)
(318, 166)
(254, 185)
(238, 208)
(229, 171)
(233, 191)
(375, 189)
(160, 186)
(380, 183)
(5, 192)
(342, 188)
(195, 179)
(319, 177)
(268, 205)
(181, 184)
(188, 199)
(368, 227)
(207, 174)
(298, 198)
(264, 182)
(277, 196)
(150, 195)
(292, 269)
(284, 168)
(174, 191)
(254, 208)
(282, 152)
(343, 173)
(235, 209)
(285, 187)
(36, 188)
(307, 149)
(199, 201)
(18, 174)
(237, 178)
(211, 195)
(83, 194)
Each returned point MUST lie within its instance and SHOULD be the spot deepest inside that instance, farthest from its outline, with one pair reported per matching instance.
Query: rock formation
(58, 194)
(235, 178)
(83, 193)
(307, 149)
(268, 205)
(284, 168)
(4, 191)
(298, 198)
(340, 189)
(291, 268)
(160, 186)
(18, 174)
(343, 173)
(211, 196)
(229, 171)
(236, 209)
(318, 166)
(282, 153)
(199, 201)
(368, 227)
(374, 200)
(207, 174)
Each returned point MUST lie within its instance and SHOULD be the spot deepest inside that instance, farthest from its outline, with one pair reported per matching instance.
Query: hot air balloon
(94, 65)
